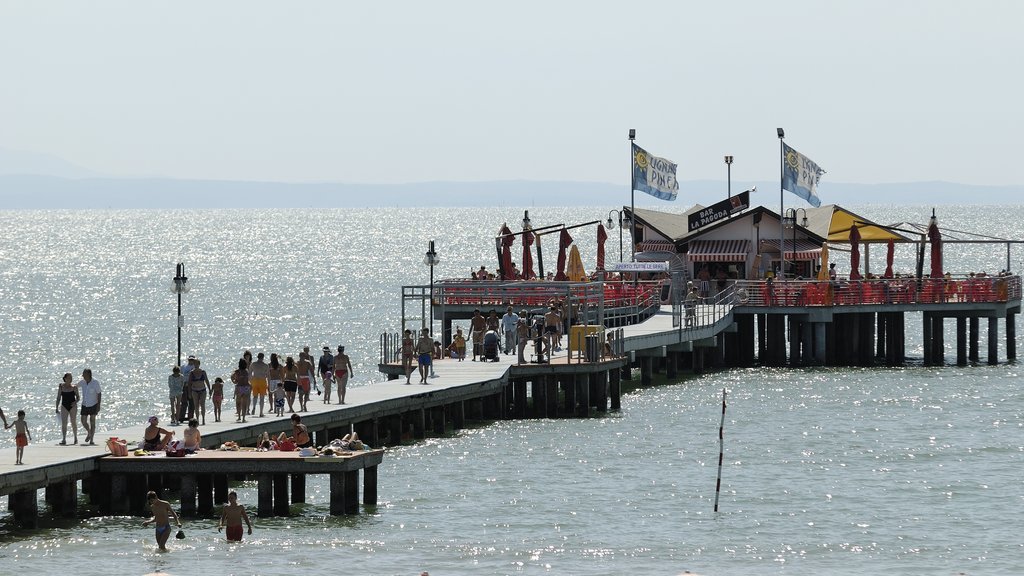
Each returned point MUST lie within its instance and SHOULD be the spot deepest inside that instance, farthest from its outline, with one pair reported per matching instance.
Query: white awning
(718, 250)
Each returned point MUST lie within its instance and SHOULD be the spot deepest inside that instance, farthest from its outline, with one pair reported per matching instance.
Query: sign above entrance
(718, 211)
(640, 267)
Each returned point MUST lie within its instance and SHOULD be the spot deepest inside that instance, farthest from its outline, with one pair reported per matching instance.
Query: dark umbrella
(602, 235)
(506, 252)
(888, 259)
(854, 253)
(564, 240)
(527, 256)
(935, 239)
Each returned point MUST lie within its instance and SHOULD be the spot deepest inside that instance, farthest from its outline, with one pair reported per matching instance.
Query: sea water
(911, 470)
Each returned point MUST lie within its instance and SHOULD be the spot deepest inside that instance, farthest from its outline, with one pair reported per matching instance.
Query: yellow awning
(833, 222)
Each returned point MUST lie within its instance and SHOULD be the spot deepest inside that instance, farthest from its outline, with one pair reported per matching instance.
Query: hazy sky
(386, 92)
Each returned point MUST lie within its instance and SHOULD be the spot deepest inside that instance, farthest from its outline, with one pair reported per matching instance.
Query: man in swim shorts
(231, 519)
(477, 325)
(259, 374)
(162, 513)
(342, 371)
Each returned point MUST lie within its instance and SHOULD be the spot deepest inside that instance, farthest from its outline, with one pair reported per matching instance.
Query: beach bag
(286, 446)
(117, 446)
(175, 449)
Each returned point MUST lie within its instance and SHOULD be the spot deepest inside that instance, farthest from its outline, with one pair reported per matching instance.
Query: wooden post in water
(721, 451)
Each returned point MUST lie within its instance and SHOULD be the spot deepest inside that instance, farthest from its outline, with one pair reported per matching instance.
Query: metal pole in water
(721, 451)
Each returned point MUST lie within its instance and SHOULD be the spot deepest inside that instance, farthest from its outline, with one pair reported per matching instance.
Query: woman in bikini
(291, 382)
(154, 437)
(276, 375)
(218, 397)
(407, 355)
(67, 407)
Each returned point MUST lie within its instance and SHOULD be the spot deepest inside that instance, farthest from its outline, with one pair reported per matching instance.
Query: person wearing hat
(154, 437)
(325, 366)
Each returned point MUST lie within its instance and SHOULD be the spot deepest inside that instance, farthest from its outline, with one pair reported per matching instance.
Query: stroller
(491, 346)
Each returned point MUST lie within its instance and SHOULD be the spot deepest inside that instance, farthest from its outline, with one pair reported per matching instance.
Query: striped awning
(655, 246)
(718, 250)
(803, 249)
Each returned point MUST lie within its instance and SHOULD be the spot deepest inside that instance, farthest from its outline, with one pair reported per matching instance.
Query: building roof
(833, 222)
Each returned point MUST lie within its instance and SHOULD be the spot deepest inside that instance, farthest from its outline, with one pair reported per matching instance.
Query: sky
(411, 91)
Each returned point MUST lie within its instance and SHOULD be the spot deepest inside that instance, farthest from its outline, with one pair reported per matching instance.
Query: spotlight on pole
(780, 132)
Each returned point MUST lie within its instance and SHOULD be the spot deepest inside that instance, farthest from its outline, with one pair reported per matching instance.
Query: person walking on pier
(259, 375)
(21, 436)
(162, 514)
(289, 385)
(67, 407)
(407, 354)
(424, 350)
(477, 326)
(509, 321)
(325, 365)
(305, 374)
(276, 376)
(342, 372)
(199, 384)
(175, 384)
(231, 518)
(243, 390)
(217, 396)
(91, 393)
(522, 337)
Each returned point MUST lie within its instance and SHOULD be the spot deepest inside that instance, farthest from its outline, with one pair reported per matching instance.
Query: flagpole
(632, 196)
(782, 224)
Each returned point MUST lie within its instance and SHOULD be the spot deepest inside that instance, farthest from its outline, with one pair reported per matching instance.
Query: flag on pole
(653, 175)
(800, 175)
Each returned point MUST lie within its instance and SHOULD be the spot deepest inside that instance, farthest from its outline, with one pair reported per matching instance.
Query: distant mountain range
(32, 181)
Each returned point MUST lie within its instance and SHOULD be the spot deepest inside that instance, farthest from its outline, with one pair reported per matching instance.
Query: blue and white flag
(653, 175)
(800, 175)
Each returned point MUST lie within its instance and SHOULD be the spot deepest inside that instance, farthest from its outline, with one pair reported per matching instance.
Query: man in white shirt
(508, 326)
(91, 393)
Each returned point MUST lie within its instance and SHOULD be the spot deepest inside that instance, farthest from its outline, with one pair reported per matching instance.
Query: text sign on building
(639, 267)
(718, 211)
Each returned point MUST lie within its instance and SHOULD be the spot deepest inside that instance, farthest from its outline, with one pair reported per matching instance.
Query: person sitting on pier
(193, 438)
(300, 434)
(155, 437)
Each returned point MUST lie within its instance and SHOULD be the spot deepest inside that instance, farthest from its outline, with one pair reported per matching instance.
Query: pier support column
(646, 369)
(1011, 336)
(437, 420)
(298, 488)
(25, 505)
(187, 495)
(926, 338)
(119, 503)
(538, 391)
(458, 412)
(762, 342)
(351, 492)
(993, 341)
(395, 430)
(65, 499)
(807, 343)
(568, 385)
(671, 365)
(519, 398)
(939, 338)
(819, 343)
(137, 487)
(220, 488)
(961, 341)
(338, 493)
(599, 380)
(615, 388)
(973, 355)
(880, 335)
(205, 485)
(583, 398)
(265, 496)
(280, 494)
(370, 486)
(550, 395)
(419, 424)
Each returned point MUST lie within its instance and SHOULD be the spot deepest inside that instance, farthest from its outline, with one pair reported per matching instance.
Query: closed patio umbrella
(890, 252)
(602, 235)
(507, 239)
(823, 271)
(564, 240)
(527, 255)
(935, 239)
(854, 253)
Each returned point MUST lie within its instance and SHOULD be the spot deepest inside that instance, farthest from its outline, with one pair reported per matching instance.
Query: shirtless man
(162, 514)
(342, 371)
(477, 325)
(259, 375)
(552, 325)
(304, 369)
(231, 518)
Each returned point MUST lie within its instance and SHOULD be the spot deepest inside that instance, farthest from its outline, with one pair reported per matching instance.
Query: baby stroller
(491, 346)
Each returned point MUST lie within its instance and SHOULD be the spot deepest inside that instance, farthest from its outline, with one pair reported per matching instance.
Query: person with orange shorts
(259, 379)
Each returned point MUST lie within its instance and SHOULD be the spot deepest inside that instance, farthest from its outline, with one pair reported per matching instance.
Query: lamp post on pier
(728, 168)
(431, 259)
(180, 286)
(789, 219)
(610, 224)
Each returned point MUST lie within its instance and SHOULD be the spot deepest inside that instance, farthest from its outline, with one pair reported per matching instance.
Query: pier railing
(954, 289)
(536, 294)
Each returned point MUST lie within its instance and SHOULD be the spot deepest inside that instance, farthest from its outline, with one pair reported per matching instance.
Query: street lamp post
(431, 259)
(180, 286)
(790, 220)
(623, 222)
(728, 168)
